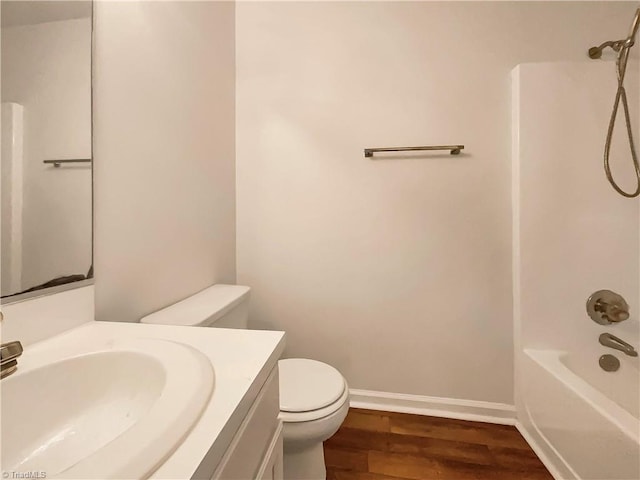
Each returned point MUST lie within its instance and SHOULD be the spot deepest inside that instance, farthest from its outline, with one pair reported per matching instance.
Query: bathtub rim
(551, 361)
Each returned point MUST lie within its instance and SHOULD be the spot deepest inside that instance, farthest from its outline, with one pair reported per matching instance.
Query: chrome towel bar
(57, 163)
(453, 149)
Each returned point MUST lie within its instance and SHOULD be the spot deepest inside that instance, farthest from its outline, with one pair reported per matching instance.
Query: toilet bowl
(314, 400)
(314, 396)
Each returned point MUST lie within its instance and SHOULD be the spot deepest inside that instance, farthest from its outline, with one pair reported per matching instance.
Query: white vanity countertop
(241, 359)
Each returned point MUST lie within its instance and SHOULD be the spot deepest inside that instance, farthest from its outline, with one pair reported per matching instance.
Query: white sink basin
(113, 412)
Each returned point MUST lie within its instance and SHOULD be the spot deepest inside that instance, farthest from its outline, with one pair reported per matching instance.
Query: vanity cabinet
(256, 449)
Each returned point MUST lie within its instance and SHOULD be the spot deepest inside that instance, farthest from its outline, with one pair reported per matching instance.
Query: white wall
(46, 69)
(164, 89)
(38, 318)
(398, 272)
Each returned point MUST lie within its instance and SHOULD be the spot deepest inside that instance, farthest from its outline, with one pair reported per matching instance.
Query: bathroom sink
(117, 411)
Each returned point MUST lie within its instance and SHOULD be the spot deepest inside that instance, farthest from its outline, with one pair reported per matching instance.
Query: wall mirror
(46, 175)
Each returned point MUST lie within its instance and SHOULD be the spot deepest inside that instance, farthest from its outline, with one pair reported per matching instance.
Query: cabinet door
(271, 468)
(245, 456)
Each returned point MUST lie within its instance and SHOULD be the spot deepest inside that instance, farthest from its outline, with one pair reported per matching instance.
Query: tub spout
(612, 341)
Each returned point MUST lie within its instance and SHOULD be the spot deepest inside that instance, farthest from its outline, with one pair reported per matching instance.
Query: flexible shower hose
(621, 94)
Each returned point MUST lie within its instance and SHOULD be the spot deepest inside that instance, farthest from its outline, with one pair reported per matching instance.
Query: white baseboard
(472, 410)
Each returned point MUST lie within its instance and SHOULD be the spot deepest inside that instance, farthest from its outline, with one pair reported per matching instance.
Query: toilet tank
(222, 306)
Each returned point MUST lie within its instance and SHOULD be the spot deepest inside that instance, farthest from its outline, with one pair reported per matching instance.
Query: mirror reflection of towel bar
(453, 149)
(57, 163)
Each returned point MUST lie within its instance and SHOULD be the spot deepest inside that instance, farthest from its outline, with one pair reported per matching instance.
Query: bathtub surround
(398, 271)
(573, 235)
(164, 89)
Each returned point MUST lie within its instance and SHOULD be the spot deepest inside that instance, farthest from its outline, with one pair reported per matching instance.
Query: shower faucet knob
(606, 307)
(615, 313)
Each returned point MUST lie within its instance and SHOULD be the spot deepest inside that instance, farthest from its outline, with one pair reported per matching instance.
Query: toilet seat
(309, 390)
(297, 417)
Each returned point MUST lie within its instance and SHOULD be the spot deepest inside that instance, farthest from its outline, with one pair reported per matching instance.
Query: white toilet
(314, 396)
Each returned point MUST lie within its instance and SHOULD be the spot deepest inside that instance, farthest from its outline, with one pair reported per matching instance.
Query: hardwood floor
(374, 445)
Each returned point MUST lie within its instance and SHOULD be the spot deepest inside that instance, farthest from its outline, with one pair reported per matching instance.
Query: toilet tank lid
(201, 309)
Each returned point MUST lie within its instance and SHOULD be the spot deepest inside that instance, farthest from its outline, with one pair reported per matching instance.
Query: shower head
(617, 45)
(596, 52)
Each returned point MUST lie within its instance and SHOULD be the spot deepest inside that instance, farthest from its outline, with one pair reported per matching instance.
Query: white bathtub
(582, 420)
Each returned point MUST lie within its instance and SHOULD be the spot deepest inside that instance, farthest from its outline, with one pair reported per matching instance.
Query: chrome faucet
(9, 353)
(616, 343)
